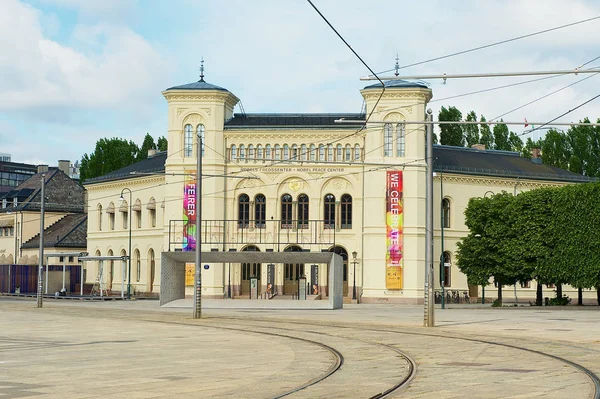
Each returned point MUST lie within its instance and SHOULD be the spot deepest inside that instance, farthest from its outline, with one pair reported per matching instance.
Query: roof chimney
(65, 166)
(536, 155)
(151, 153)
(42, 168)
(479, 147)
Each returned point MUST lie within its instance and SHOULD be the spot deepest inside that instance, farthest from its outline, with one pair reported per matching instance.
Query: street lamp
(354, 254)
(129, 252)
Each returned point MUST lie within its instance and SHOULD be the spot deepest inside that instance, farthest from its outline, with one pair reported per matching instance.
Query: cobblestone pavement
(82, 349)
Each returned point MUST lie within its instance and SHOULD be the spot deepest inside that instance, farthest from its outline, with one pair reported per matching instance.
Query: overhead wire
(495, 44)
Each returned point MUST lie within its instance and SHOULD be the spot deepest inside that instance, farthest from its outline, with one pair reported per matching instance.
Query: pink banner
(189, 213)
(394, 237)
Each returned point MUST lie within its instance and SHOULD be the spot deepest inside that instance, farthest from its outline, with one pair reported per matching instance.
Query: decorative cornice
(486, 181)
(119, 184)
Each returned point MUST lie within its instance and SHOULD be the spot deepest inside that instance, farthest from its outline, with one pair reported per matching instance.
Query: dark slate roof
(293, 120)
(199, 85)
(68, 232)
(62, 194)
(493, 163)
(398, 84)
(154, 164)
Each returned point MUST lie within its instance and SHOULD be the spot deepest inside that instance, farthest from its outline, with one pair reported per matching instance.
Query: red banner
(394, 237)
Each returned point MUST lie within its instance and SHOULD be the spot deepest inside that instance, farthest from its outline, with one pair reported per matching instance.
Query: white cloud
(42, 73)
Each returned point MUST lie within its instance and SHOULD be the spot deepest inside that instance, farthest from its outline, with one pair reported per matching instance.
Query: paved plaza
(135, 349)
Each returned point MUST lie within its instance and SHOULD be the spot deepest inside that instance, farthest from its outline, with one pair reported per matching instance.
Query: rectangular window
(388, 140)
(111, 220)
(124, 219)
(138, 219)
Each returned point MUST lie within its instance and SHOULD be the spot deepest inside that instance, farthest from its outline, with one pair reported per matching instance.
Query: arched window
(138, 265)
(243, 211)
(111, 215)
(357, 152)
(340, 153)
(346, 211)
(233, 153)
(445, 213)
(268, 154)
(251, 152)
(312, 152)
(99, 209)
(329, 211)
(200, 133)
(277, 152)
(303, 150)
(111, 269)
(330, 152)
(447, 268)
(259, 152)
(400, 139)
(295, 152)
(242, 152)
(303, 211)
(286, 152)
(188, 140)
(348, 152)
(286, 211)
(152, 265)
(321, 152)
(388, 140)
(260, 211)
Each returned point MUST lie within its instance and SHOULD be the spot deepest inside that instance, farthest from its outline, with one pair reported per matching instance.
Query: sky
(75, 71)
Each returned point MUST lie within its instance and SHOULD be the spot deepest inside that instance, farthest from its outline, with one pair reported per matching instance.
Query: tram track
(335, 367)
(589, 373)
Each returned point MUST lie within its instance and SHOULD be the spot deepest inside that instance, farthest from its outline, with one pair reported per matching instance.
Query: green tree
(482, 253)
(501, 137)
(556, 150)
(486, 138)
(531, 245)
(162, 143)
(515, 142)
(109, 155)
(471, 132)
(148, 144)
(451, 134)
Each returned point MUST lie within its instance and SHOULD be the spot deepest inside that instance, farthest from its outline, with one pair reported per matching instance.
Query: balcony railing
(276, 235)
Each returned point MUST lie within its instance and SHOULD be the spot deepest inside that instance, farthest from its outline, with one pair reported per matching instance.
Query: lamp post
(354, 255)
(129, 251)
(197, 308)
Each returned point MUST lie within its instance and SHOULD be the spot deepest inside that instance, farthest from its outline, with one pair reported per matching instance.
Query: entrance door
(293, 271)
(249, 270)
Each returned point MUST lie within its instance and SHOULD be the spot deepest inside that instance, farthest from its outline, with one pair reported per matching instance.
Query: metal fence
(311, 235)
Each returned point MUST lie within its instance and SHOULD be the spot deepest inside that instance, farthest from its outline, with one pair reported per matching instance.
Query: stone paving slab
(81, 349)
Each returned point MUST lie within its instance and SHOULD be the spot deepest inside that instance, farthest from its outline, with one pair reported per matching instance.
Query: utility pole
(198, 276)
(429, 319)
(41, 271)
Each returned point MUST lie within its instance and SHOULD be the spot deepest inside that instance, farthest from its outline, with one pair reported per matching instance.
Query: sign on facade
(394, 236)
(270, 280)
(253, 288)
(314, 279)
(302, 288)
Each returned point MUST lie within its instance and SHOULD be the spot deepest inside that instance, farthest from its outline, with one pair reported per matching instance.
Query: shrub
(564, 301)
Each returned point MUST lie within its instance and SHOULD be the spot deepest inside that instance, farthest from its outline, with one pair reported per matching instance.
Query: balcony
(276, 235)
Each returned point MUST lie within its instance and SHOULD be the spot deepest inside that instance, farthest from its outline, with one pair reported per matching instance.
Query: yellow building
(300, 182)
